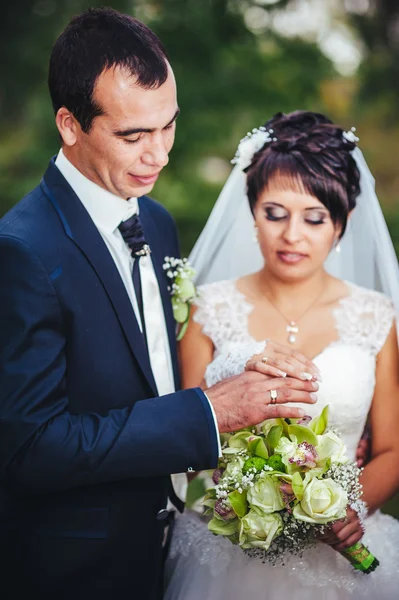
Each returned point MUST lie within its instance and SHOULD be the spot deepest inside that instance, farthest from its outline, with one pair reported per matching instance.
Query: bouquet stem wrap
(361, 558)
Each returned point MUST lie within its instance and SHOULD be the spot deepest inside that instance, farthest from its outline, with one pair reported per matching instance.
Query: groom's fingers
(284, 397)
(282, 411)
(288, 390)
(245, 400)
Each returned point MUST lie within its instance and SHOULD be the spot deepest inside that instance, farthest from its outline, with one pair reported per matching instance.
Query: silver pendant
(292, 330)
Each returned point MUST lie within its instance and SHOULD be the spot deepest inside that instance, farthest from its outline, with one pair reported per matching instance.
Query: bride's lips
(291, 258)
(145, 180)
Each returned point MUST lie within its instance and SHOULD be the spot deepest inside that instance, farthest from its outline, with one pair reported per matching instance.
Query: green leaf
(285, 423)
(183, 329)
(210, 494)
(252, 443)
(239, 503)
(297, 485)
(302, 434)
(210, 502)
(224, 438)
(273, 437)
(219, 527)
(261, 449)
(319, 424)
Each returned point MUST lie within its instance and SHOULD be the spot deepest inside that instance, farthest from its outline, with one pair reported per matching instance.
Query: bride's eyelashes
(279, 214)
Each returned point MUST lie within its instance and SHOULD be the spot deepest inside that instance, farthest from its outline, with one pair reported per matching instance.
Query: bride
(302, 176)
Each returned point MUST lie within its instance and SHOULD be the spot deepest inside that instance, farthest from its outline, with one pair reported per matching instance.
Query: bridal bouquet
(281, 484)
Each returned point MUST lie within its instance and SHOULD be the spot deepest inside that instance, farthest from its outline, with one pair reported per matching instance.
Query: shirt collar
(107, 210)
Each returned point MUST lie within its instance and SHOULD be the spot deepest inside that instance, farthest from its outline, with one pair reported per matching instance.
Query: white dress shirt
(107, 212)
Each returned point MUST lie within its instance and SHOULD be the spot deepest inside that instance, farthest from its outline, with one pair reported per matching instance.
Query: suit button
(162, 514)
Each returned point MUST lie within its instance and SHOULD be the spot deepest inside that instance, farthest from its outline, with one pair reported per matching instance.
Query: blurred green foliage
(230, 79)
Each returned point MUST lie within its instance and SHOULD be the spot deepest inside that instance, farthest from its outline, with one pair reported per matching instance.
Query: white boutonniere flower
(182, 290)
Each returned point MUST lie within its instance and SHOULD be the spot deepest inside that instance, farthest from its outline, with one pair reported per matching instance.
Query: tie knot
(133, 234)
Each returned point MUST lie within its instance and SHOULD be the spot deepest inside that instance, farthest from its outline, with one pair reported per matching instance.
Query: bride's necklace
(293, 326)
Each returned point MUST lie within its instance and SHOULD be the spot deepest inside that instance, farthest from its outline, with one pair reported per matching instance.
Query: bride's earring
(256, 234)
(338, 247)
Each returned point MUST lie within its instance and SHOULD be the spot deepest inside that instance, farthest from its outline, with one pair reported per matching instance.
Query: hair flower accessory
(182, 290)
(350, 135)
(250, 144)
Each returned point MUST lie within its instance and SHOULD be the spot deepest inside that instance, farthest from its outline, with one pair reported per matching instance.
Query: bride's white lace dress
(202, 566)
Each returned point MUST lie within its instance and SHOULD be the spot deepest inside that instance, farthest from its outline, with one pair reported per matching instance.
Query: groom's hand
(245, 400)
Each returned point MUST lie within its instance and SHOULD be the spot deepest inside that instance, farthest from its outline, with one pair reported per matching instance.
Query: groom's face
(128, 145)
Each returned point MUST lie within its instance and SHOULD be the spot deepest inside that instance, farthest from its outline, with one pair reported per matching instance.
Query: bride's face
(295, 232)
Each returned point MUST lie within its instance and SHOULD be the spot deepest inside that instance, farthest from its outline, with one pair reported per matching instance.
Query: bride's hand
(281, 361)
(343, 534)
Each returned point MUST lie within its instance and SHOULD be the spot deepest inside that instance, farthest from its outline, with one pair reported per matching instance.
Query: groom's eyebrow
(127, 132)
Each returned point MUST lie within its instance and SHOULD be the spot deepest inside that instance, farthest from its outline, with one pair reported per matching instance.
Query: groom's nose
(157, 154)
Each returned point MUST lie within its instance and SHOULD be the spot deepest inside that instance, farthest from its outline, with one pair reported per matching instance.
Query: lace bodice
(363, 320)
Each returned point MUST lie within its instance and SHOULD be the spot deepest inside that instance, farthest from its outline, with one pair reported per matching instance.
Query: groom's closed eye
(125, 133)
(134, 141)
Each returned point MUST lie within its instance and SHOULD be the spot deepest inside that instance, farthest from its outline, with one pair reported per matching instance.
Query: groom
(90, 423)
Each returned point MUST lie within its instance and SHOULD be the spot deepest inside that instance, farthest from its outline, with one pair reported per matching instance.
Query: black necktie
(133, 234)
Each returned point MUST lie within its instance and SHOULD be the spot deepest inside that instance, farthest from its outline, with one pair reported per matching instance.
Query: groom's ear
(67, 125)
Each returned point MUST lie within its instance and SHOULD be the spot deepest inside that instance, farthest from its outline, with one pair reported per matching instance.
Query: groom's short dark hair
(95, 40)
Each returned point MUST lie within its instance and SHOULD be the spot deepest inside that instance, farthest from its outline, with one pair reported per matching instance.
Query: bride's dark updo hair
(308, 153)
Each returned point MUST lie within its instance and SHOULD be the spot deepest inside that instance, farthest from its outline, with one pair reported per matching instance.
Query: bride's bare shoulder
(248, 284)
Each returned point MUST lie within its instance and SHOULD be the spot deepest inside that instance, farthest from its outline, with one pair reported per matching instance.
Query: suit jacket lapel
(82, 231)
(154, 239)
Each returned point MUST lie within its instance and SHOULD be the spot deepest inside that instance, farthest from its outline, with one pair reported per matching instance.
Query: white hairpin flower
(250, 144)
(350, 135)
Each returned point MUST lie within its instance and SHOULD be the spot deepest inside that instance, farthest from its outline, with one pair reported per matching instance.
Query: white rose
(265, 494)
(186, 289)
(259, 529)
(323, 501)
(332, 447)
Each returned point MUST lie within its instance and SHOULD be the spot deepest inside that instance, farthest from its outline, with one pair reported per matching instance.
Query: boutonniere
(182, 290)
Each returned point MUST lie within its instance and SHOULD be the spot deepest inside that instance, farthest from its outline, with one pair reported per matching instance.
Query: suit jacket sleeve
(43, 447)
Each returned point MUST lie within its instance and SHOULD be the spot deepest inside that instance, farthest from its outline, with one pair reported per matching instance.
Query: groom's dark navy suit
(86, 445)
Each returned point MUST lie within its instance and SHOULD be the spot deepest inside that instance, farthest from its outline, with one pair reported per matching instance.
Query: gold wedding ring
(273, 396)
(265, 359)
